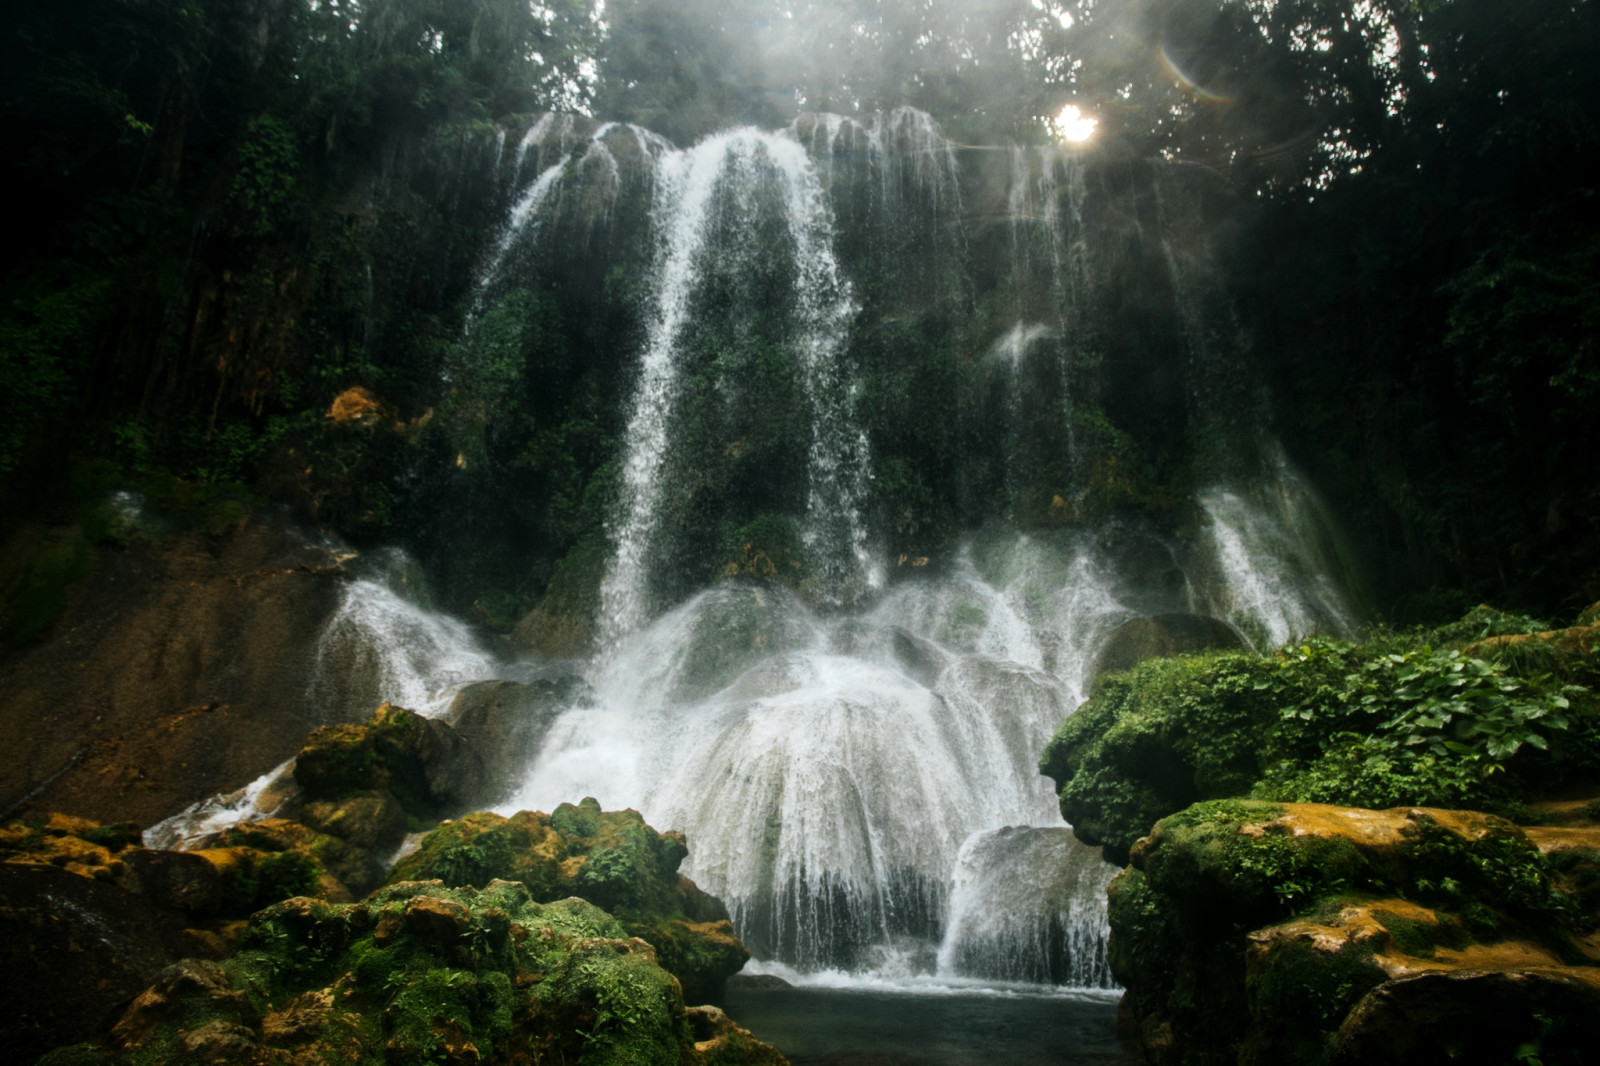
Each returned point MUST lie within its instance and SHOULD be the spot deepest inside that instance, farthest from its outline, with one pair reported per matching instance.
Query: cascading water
(725, 174)
(382, 644)
(853, 761)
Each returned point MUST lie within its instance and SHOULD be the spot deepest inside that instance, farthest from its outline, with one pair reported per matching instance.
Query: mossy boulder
(1161, 635)
(423, 973)
(1256, 932)
(610, 858)
(1401, 720)
(422, 763)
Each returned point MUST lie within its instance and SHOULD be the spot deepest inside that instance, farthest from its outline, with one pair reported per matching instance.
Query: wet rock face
(176, 670)
(610, 858)
(75, 948)
(1162, 634)
(424, 973)
(505, 722)
(1307, 933)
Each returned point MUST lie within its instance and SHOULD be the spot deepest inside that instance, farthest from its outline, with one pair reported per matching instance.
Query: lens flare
(1073, 125)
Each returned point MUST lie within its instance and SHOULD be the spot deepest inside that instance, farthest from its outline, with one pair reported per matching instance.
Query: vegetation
(1412, 718)
(236, 213)
(421, 974)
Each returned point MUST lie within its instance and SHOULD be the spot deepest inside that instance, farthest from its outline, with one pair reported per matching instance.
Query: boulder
(1155, 635)
(422, 973)
(610, 858)
(1447, 1015)
(505, 723)
(1249, 931)
(421, 762)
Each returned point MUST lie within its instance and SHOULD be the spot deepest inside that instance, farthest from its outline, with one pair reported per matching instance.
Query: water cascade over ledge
(848, 733)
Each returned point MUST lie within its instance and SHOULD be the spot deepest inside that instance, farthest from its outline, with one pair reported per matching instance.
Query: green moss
(1305, 992)
(1392, 722)
(610, 858)
(1421, 938)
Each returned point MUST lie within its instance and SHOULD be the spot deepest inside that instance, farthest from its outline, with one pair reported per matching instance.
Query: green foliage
(48, 327)
(1391, 723)
(264, 179)
(1446, 703)
(1482, 622)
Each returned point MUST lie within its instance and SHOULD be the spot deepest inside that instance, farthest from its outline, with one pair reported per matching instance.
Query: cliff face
(176, 668)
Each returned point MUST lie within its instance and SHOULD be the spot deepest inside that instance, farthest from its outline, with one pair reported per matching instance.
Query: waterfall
(727, 173)
(854, 760)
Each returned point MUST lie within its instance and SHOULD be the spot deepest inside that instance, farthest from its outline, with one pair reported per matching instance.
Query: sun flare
(1073, 125)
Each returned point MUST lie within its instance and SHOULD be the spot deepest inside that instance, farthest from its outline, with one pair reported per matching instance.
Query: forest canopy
(235, 209)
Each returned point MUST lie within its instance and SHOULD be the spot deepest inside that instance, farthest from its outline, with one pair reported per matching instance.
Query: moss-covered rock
(1162, 635)
(421, 763)
(422, 973)
(1255, 932)
(1393, 722)
(610, 858)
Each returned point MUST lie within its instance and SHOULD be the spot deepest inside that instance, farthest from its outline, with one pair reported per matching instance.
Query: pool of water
(950, 1027)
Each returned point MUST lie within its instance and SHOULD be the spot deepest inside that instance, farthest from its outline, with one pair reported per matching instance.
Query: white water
(856, 777)
(381, 645)
(725, 174)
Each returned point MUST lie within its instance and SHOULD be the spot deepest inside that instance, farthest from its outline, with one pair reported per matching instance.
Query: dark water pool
(852, 1027)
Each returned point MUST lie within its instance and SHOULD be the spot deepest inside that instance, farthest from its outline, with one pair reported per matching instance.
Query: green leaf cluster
(1393, 722)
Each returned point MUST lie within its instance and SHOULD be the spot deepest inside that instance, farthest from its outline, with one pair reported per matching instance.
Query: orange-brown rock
(357, 406)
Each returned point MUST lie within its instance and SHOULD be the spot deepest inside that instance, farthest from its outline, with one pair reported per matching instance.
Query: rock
(1249, 931)
(176, 879)
(457, 975)
(506, 722)
(562, 625)
(423, 763)
(73, 951)
(611, 859)
(373, 821)
(1448, 1016)
(718, 1039)
(757, 982)
(356, 406)
(177, 669)
(271, 859)
(1134, 641)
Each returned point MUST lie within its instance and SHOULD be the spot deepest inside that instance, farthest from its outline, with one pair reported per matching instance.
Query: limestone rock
(505, 722)
(1139, 639)
(610, 858)
(421, 973)
(1307, 933)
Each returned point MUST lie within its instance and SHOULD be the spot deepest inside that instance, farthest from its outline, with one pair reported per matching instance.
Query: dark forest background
(228, 212)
